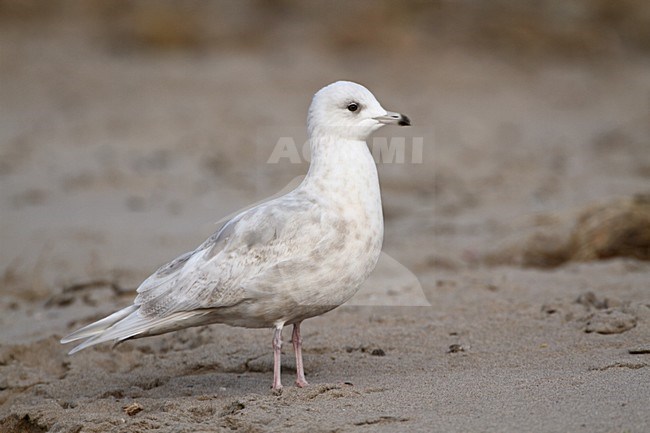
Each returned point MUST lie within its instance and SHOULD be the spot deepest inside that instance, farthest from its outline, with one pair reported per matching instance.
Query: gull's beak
(391, 118)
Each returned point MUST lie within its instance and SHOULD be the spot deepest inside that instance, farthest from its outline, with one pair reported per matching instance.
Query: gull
(285, 260)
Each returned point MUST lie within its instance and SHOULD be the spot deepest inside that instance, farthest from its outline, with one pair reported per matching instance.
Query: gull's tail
(94, 331)
(129, 323)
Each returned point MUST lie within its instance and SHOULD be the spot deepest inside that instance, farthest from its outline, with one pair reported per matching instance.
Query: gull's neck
(344, 172)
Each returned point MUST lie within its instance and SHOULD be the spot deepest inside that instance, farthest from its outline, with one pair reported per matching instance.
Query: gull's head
(349, 111)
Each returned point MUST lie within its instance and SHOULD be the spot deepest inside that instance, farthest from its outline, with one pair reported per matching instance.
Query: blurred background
(127, 128)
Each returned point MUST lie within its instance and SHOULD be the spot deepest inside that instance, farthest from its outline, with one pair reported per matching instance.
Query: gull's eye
(353, 106)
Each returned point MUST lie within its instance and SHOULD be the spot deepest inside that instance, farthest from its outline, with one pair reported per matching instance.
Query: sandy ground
(481, 316)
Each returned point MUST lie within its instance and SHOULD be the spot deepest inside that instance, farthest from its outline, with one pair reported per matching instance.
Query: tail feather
(128, 323)
(100, 326)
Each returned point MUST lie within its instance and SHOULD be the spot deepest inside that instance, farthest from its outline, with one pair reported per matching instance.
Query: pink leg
(296, 339)
(277, 347)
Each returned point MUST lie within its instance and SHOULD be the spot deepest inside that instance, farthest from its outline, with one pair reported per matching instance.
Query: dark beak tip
(404, 121)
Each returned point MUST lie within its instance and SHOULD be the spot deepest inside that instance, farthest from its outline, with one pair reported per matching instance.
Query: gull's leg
(277, 347)
(296, 339)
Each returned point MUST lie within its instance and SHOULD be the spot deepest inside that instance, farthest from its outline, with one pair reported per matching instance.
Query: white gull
(285, 260)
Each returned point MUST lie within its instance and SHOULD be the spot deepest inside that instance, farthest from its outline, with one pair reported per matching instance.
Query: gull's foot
(301, 383)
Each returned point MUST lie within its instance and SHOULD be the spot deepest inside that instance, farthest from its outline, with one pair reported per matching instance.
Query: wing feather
(219, 271)
(247, 259)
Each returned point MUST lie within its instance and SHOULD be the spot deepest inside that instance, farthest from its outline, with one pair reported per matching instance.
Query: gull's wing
(234, 265)
(221, 271)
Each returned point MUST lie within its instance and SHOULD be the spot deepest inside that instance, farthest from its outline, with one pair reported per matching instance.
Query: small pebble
(133, 409)
(455, 348)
